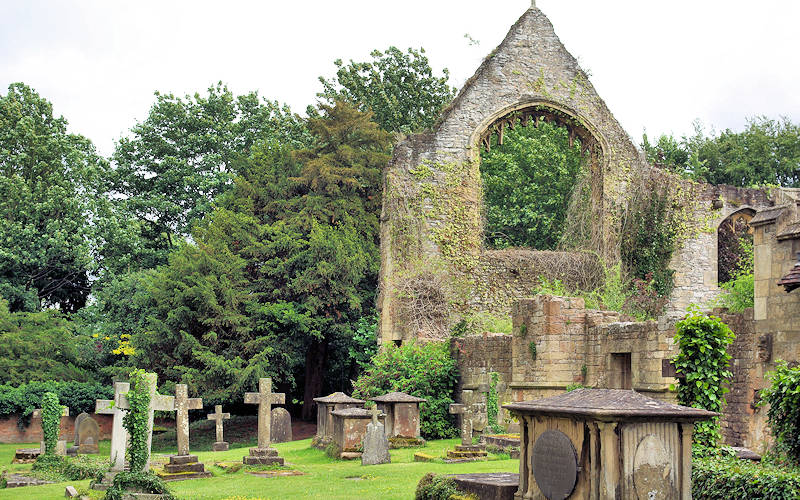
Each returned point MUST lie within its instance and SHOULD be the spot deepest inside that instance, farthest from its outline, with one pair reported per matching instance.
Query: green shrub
(51, 421)
(739, 292)
(783, 396)
(425, 370)
(56, 468)
(729, 478)
(142, 482)
(77, 396)
(433, 487)
(703, 359)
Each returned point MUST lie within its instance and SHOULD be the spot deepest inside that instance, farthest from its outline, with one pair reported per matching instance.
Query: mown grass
(324, 478)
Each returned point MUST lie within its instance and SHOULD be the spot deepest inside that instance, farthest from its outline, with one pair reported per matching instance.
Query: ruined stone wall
(695, 258)
(739, 414)
(432, 212)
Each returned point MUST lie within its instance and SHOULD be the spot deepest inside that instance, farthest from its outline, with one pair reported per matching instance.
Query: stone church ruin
(436, 271)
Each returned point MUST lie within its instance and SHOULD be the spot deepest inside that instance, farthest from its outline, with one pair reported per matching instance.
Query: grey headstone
(78, 420)
(376, 446)
(88, 436)
(70, 492)
(281, 425)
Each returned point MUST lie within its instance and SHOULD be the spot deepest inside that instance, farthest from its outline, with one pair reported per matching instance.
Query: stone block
(182, 459)
(491, 486)
(263, 460)
(179, 468)
(70, 492)
(220, 446)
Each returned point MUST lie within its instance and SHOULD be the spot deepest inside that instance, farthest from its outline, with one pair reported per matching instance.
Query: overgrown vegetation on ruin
(425, 370)
(702, 361)
(528, 182)
(783, 397)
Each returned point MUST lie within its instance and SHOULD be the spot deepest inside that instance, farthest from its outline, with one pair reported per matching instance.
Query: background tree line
(228, 238)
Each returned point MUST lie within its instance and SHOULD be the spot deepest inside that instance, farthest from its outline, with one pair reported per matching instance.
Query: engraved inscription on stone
(652, 476)
(555, 465)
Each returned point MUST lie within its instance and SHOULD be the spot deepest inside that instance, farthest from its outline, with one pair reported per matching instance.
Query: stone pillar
(609, 447)
(686, 430)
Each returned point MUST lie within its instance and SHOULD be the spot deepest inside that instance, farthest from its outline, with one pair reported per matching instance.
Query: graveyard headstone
(263, 454)
(376, 444)
(281, 426)
(218, 417)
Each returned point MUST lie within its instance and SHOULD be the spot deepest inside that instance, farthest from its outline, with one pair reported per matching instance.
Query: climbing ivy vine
(51, 420)
(492, 408)
(135, 420)
(703, 361)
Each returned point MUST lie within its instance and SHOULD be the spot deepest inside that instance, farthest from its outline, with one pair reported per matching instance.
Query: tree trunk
(316, 359)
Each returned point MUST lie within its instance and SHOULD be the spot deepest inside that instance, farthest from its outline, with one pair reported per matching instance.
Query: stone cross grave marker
(467, 412)
(158, 402)
(264, 398)
(375, 412)
(119, 435)
(218, 417)
(183, 403)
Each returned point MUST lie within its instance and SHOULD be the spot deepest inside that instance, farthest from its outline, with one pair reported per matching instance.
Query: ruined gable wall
(431, 219)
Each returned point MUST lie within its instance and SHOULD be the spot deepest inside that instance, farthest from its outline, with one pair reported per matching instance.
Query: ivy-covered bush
(716, 478)
(433, 487)
(703, 360)
(425, 370)
(783, 396)
(77, 396)
(51, 421)
(141, 482)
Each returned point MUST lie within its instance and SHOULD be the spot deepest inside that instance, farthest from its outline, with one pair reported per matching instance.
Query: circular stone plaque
(555, 465)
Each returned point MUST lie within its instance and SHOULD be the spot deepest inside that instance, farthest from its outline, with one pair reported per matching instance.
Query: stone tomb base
(220, 446)
(464, 453)
(26, 455)
(263, 456)
(181, 467)
(492, 486)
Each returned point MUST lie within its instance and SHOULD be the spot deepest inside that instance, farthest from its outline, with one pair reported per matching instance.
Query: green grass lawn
(324, 477)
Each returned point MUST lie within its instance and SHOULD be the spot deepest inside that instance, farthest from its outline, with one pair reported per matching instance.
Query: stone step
(263, 452)
(466, 454)
(183, 476)
(19, 481)
(177, 468)
(220, 446)
(263, 460)
(182, 459)
(350, 455)
(474, 447)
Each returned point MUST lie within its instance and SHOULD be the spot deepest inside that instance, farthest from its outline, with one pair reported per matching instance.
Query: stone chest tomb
(402, 414)
(605, 443)
(325, 408)
(349, 429)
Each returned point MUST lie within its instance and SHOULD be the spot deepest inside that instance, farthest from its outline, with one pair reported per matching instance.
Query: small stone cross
(264, 398)
(218, 416)
(183, 403)
(157, 402)
(375, 412)
(119, 435)
(467, 412)
(533, 4)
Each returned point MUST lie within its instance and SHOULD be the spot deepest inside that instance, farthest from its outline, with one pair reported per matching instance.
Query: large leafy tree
(182, 156)
(283, 269)
(52, 206)
(767, 152)
(399, 87)
(528, 182)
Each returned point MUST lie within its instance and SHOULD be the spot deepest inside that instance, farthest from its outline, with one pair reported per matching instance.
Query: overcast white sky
(658, 64)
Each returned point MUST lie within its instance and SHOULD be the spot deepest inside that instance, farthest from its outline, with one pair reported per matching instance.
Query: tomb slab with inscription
(605, 443)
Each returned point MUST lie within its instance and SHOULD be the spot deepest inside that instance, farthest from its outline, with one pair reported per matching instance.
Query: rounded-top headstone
(281, 431)
(78, 420)
(555, 465)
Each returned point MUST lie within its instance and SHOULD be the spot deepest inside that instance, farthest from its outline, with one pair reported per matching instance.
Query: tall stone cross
(264, 398)
(119, 435)
(467, 413)
(183, 403)
(533, 4)
(157, 402)
(218, 416)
